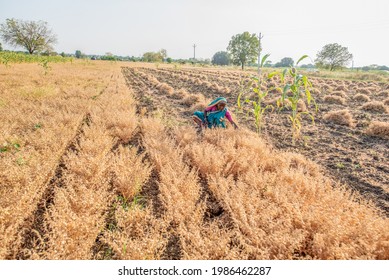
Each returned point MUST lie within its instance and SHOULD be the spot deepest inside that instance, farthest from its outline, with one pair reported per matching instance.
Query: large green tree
(221, 58)
(34, 36)
(333, 56)
(243, 48)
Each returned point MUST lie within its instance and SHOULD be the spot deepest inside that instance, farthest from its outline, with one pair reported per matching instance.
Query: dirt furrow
(34, 227)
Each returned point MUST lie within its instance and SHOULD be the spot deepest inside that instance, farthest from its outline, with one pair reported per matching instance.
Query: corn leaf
(301, 58)
(272, 74)
(264, 58)
(284, 74)
(308, 94)
(286, 88)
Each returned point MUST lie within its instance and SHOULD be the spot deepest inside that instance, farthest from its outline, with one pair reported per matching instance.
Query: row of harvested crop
(213, 87)
(193, 101)
(38, 125)
(95, 175)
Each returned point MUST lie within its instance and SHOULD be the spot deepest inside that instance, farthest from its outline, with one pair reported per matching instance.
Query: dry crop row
(201, 83)
(41, 135)
(37, 121)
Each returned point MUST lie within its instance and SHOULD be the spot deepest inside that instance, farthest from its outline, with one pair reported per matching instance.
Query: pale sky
(290, 28)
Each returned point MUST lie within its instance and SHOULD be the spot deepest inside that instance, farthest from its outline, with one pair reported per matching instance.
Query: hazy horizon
(131, 28)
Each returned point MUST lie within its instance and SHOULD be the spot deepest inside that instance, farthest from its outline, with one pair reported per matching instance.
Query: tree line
(242, 50)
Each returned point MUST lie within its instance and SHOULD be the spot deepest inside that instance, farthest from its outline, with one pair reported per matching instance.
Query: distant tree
(285, 62)
(221, 58)
(169, 60)
(49, 53)
(375, 67)
(152, 57)
(308, 66)
(1, 48)
(78, 54)
(163, 53)
(383, 67)
(243, 48)
(134, 59)
(109, 56)
(333, 56)
(34, 36)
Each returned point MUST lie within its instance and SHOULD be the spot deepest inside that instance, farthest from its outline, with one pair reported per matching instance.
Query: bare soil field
(101, 161)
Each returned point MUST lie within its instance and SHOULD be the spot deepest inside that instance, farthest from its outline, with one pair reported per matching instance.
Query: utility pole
(259, 54)
(194, 52)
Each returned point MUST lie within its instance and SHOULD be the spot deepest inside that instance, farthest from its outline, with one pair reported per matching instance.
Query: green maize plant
(295, 89)
(243, 89)
(257, 108)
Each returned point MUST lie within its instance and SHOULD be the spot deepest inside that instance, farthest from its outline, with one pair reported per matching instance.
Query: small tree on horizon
(243, 48)
(78, 54)
(221, 58)
(34, 36)
(333, 56)
(285, 62)
(163, 53)
(152, 57)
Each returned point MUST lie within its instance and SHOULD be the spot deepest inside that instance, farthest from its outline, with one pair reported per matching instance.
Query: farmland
(346, 110)
(102, 161)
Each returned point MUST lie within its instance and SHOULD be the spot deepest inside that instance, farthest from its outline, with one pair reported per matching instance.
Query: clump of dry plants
(334, 99)
(342, 117)
(378, 129)
(375, 106)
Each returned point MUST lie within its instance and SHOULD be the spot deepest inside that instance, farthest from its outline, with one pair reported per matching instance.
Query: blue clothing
(215, 117)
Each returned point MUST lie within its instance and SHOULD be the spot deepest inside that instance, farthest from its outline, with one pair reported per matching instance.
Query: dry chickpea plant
(101, 160)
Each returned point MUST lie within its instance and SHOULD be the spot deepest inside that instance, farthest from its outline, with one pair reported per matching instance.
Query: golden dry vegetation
(100, 161)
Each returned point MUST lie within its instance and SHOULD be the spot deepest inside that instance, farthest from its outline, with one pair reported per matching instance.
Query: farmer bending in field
(214, 115)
